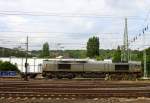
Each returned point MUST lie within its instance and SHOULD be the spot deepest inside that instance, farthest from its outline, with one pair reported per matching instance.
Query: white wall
(21, 63)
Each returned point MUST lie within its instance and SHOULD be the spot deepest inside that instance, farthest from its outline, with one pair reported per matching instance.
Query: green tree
(117, 55)
(45, 52)
(148, 61)
(93, 47)
(7, 66)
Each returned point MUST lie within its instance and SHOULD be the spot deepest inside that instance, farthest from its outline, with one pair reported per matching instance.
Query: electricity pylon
(125, 50)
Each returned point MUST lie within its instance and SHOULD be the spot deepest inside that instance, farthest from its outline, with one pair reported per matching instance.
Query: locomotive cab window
(120, 67)
(64, 66)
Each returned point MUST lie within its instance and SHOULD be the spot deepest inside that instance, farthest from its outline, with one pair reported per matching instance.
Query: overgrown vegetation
(117, 55)
(7, 66)
(6, 52)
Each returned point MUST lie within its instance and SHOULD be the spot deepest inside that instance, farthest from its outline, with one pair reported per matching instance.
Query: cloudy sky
(67, 24)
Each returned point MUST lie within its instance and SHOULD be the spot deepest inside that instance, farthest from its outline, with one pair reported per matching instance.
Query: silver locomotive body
(90, 69)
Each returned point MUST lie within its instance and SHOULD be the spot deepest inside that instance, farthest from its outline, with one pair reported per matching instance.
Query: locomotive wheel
(32, 76)
(43, 74)
(59, 77)
(22, 75)
(70, 76)
(50, 77)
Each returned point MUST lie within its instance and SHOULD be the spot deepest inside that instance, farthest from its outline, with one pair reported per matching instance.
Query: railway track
(73, 89)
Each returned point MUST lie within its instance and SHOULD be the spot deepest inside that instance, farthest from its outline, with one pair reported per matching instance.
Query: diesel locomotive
(81, 68)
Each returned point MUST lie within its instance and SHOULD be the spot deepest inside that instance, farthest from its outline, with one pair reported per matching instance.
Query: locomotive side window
(119, 67)
(64, 66)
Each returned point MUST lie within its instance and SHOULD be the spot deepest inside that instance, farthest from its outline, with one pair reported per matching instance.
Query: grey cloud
(80, 28)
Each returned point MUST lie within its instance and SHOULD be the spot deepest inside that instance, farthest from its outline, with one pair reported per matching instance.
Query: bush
(98, 58)
(148, 69)
(7, 66)
(1, 62)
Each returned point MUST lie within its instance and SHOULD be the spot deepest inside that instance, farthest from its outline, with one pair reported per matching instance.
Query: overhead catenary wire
(143, 30)
(24, 13)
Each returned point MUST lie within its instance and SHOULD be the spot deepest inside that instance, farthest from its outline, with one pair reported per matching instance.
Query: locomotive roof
(86, 61)
(66, 60)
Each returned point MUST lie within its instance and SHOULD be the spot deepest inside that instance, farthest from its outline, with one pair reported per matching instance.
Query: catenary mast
(125, 50)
